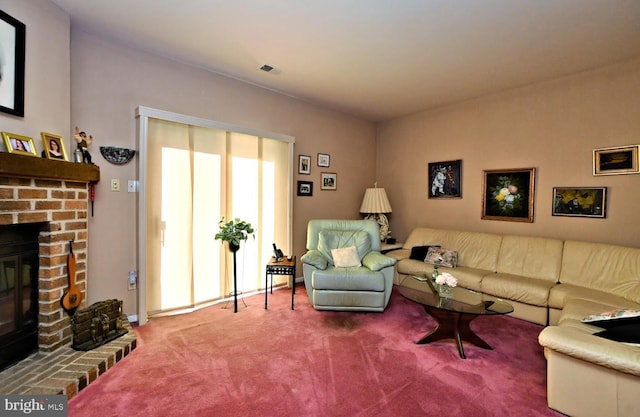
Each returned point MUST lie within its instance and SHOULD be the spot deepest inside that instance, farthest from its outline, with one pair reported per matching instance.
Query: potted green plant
(233, 232)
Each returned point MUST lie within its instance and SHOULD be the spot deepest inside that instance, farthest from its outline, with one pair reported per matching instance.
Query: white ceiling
(375, 59)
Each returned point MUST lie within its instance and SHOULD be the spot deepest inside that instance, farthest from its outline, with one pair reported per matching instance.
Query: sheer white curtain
(195, 176)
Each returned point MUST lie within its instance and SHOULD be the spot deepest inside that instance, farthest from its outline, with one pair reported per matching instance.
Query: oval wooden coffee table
(454, 314)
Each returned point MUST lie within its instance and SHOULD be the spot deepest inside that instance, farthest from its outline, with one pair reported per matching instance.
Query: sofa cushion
(348, 279)
(614, 318)
(419, 253)
(628, 333)
(560, 294)
(534, 257)
(518, 288)
(608, 268)
(475, 249)
(445, 257)
(334, 239)
(345, 257)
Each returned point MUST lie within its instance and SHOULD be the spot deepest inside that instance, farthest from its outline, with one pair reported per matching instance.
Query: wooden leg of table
(452, 325)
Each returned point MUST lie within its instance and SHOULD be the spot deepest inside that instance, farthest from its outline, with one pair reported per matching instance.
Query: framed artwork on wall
(53, 146)
(580, 202)
(18, 144)
(328, 181)
(12, 45)
(323, 160)
(445, 179)
(508, 194)
(304, 164)
(616, 160)
(305, 188)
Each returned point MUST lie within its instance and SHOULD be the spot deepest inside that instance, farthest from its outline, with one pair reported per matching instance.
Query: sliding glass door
(194, 176)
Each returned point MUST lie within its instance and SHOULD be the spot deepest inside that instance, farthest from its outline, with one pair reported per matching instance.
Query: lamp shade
(375, 201)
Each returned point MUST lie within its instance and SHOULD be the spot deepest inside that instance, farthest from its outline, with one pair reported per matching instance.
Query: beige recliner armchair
(343, 268)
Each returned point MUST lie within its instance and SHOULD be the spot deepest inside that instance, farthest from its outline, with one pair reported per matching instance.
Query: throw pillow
(419, 253)
(446, 257)
(613, 318)
(345, 257)
(629, 333)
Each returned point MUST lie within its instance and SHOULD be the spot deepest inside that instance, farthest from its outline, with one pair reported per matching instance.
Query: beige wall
(47, 67)
(110, 81)
(552, 126)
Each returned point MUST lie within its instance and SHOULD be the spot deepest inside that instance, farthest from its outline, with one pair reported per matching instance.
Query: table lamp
(375, 204)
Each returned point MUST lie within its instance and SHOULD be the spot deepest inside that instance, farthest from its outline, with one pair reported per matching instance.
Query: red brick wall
(63, 205)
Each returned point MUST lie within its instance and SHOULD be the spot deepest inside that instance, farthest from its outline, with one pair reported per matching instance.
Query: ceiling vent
(266, 68)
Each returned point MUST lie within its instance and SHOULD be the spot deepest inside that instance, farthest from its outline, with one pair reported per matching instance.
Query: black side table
(284, 267)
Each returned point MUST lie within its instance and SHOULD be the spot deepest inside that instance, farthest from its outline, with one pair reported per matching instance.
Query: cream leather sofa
(555, 283)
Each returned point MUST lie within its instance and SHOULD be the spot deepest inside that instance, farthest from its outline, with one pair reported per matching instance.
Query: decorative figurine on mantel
(83, 147)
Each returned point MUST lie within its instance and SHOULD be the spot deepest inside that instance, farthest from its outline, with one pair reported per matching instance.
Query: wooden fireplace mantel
(24, 166)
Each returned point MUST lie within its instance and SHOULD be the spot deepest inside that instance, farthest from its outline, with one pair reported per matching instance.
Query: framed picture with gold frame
(54, 146)
(580, 202)
(616, 160)
(19, 144)
(508, 194)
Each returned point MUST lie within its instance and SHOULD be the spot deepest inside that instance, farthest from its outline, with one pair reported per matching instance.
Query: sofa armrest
(376, 261)
(585, 346)
(315, 258)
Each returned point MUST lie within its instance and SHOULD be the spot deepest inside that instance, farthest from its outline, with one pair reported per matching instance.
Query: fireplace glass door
(18, 298)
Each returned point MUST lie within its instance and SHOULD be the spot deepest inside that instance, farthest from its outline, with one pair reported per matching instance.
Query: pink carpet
(280, 362)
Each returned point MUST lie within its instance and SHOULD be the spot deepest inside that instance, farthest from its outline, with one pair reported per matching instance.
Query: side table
(284, 267)
(386, 247)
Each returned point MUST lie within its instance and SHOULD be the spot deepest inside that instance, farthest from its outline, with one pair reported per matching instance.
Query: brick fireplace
(54, 194)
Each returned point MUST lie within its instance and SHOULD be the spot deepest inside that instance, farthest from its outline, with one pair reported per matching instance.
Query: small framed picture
(508, 194)
(328, 181)
(580, 201)
(305, 188)
(616, 160)
(323, 160)
(445, 179)
(54, 146)
(304, 164)
(19, 144)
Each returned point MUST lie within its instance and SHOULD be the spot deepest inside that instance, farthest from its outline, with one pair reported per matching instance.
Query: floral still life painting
(508, 195)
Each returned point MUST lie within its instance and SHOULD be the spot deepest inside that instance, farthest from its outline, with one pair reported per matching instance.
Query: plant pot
(233, 247)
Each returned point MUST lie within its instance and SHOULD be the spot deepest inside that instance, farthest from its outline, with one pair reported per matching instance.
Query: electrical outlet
(132, 282)
(115, 184)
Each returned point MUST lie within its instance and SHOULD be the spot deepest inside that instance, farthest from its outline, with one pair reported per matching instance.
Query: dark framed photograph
(305, 188)
(304, 164)
(12, 46)
(53, 146)
(323, 160)
(616, 160)
(445, 179)
(508, 194)
(328, 181)
(580, 202)
(19, 144)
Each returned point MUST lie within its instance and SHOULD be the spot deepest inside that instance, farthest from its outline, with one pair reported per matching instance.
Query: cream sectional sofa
(554, 283)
